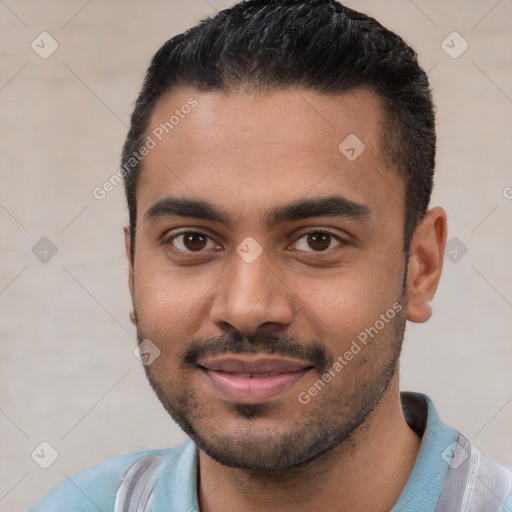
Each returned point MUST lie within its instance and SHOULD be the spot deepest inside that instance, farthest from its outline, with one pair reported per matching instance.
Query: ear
(426, 257)
(127, 247)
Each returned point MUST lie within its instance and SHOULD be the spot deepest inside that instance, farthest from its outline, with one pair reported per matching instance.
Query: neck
(366, 472)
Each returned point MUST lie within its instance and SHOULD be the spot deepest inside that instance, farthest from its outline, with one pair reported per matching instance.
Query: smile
(252, 380)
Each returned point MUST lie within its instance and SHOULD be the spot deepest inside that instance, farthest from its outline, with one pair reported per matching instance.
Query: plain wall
(68, 374)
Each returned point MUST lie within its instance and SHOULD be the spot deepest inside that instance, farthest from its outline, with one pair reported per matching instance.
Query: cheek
(335, 301)
(346, 305)
(162, 302)
(161, 291)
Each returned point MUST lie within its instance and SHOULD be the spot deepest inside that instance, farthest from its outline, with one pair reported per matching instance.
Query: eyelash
(337, 238)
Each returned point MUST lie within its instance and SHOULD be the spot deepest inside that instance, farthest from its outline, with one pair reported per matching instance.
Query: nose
(252, 295)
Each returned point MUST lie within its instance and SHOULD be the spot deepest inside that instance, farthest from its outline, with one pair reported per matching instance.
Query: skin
(351, 448)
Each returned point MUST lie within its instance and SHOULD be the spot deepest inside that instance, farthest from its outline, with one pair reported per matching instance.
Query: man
(278, 173)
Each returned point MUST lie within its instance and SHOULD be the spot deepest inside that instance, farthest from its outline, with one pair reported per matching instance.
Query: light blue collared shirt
(449, 475)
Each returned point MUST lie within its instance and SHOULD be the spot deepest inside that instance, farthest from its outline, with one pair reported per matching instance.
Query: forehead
(294, 116)
(267, 145)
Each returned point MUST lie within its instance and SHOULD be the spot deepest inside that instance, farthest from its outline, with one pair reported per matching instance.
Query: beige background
(68, 375)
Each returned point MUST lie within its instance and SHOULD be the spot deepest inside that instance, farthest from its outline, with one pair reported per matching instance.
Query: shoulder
(488, 482)
(450, 472)
(96, 488)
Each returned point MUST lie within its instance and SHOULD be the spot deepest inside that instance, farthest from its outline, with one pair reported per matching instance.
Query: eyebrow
(332, 206)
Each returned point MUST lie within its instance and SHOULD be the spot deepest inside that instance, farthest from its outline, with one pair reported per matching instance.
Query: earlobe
(425, 264)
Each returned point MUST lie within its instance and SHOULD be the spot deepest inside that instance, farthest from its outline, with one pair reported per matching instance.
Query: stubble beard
(330, 422)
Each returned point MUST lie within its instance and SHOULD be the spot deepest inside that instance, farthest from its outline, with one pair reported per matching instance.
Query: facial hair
(330, 421)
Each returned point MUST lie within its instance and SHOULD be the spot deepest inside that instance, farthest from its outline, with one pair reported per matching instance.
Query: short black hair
(321, 45)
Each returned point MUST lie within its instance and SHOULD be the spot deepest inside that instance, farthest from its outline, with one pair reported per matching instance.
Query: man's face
(252, 307)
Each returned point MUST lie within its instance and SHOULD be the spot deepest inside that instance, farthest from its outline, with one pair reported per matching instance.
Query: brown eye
(191, 241)
(194, 241)
(316, 241)
(319, 241)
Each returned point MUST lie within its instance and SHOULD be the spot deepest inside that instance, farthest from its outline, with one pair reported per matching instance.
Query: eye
(318, 241)
(191, 241)
(196, 241)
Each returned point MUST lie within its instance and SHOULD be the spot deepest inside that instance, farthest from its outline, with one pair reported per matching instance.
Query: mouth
(252, 380)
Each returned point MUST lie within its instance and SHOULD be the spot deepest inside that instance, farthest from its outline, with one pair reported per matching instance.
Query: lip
(252, 380)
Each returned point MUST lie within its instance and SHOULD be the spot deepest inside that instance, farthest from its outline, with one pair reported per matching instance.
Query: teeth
(257, 375)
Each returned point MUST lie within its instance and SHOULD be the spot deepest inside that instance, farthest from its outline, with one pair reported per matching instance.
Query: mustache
(236, 343)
